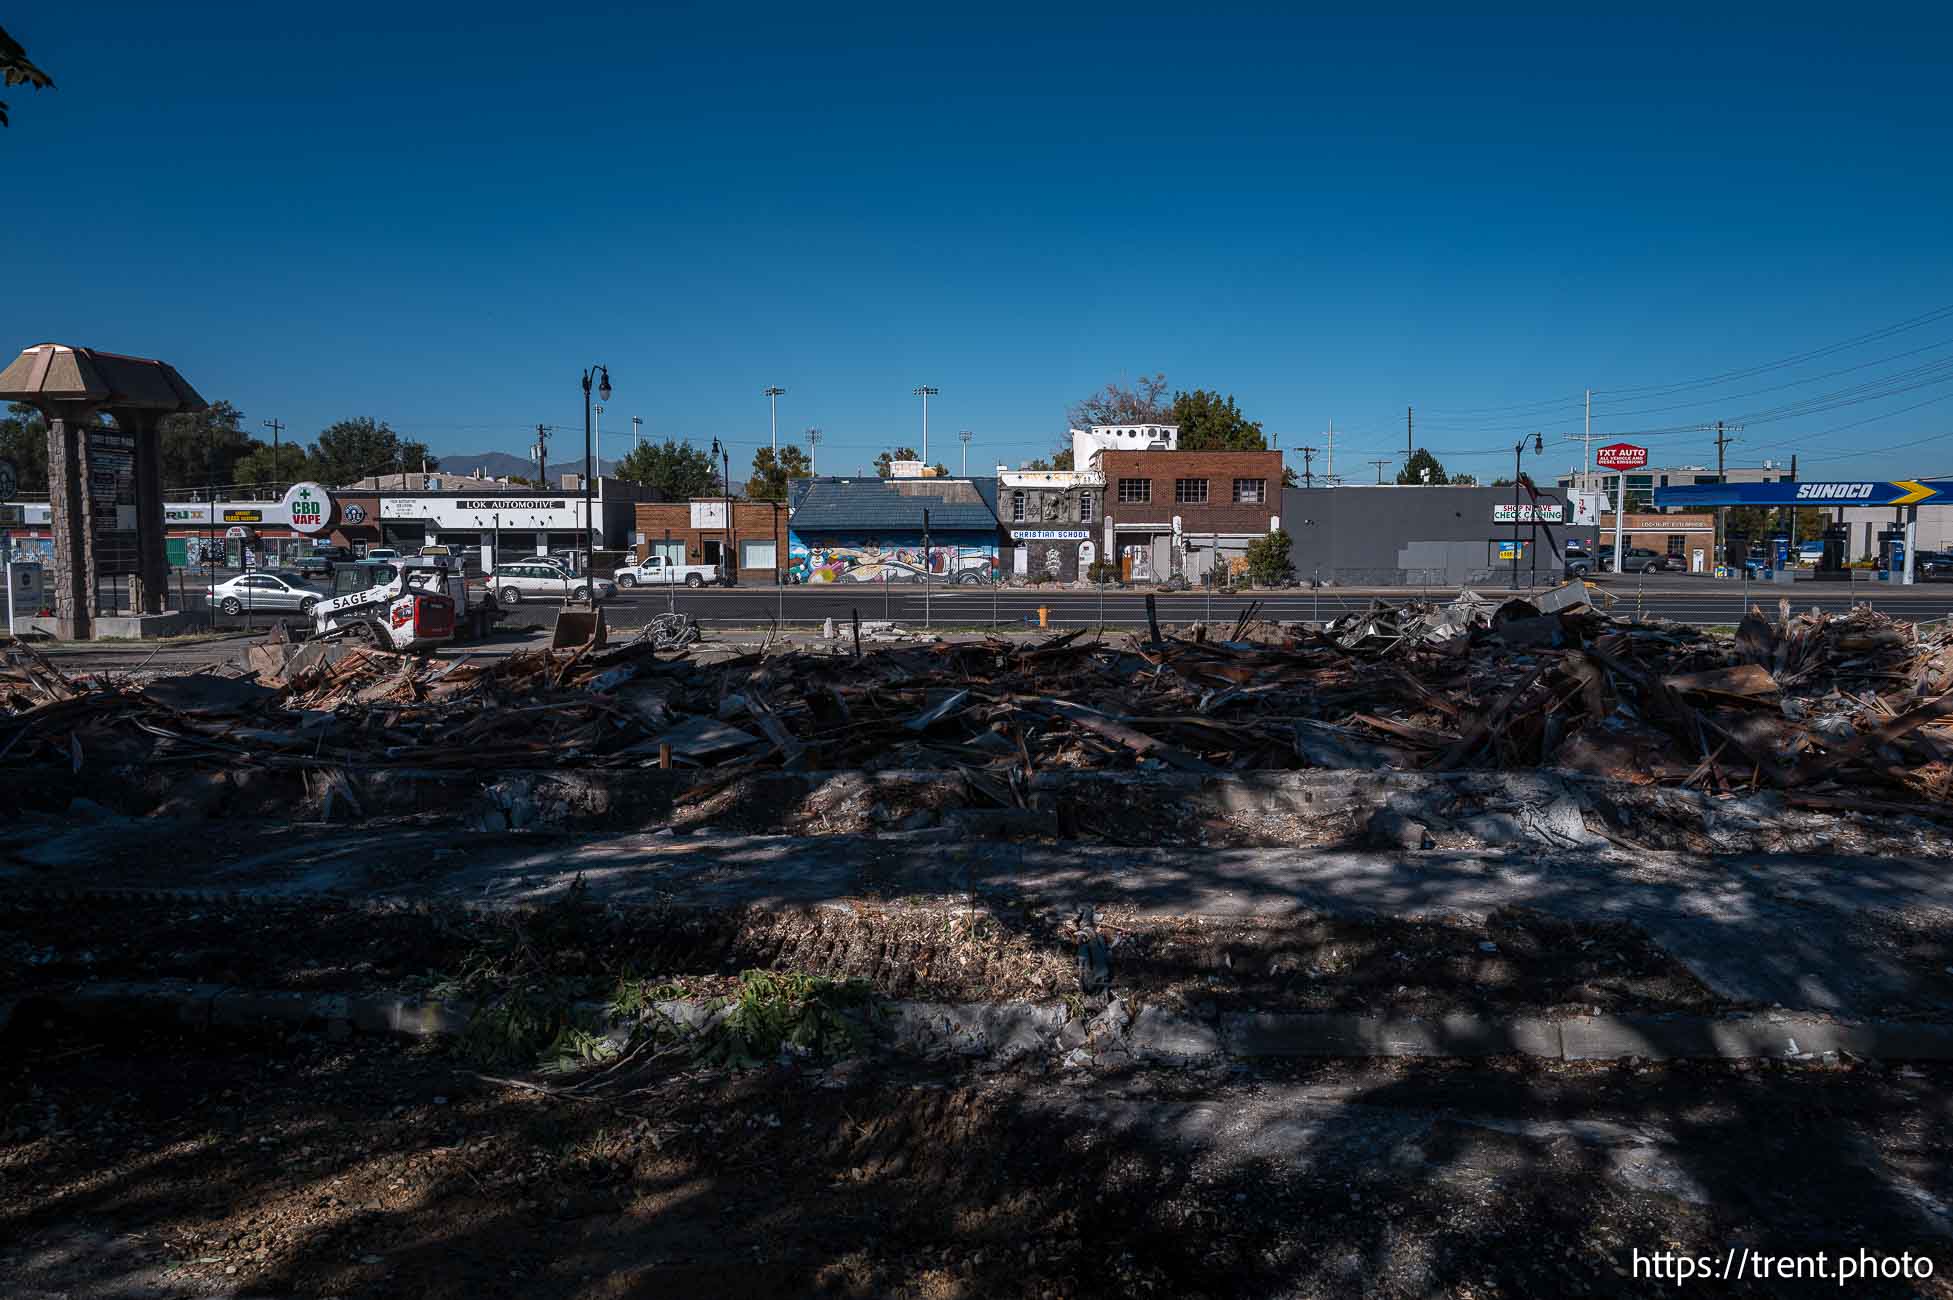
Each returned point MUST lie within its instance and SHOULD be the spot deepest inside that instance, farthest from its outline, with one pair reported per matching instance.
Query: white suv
(540, 579)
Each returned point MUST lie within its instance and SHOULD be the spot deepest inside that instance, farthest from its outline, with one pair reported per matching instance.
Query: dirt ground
(158, 1164)
(1516, 962)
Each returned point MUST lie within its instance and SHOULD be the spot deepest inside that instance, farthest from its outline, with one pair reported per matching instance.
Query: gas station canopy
(1885, 492)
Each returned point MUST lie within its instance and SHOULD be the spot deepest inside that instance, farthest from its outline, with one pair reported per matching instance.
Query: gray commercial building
(1389, 535)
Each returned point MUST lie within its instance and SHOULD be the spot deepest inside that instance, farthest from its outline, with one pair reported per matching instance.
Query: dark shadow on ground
(369, 1168)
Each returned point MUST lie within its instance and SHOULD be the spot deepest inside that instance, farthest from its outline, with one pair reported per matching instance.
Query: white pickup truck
(657, 571)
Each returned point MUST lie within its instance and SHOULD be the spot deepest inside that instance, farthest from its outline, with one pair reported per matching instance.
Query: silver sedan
(276, 591)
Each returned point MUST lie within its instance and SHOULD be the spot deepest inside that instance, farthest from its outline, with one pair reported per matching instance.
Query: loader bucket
(578, 627)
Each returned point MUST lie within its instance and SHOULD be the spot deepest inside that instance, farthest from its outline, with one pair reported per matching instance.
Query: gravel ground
(156, 1164)
(1516, 963)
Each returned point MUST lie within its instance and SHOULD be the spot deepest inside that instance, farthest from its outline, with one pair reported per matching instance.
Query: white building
(1088, 443)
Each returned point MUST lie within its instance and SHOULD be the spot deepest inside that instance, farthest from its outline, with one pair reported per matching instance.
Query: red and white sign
(1621, 455)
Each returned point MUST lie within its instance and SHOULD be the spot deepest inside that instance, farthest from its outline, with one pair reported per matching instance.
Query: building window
(1250, 491)
(1190, 491)
(1084, 507)
(1131, 490)
(755, 555)
(1017, 507)
(1675, 543)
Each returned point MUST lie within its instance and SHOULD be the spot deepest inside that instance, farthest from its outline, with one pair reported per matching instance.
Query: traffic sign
(1621, 455)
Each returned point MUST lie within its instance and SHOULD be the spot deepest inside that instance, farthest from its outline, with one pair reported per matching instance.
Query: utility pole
(1587, 445)
(1408, 453)
(637, 429)
(276, 429)
(925, 392)
(1308, 477)
(1380, 462)
(1329, 464)
(963, 467)
(541, 453)
(1721, 533)
(773, 404)
(813, 437)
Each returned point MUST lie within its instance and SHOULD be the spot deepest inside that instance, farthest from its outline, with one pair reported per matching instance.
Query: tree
(23, 440)
(1268, 560)
(1059, 459)
(257, 466)
(768, 481)
(1289, 479)
(884, 463)
(17, 71)
(1117, 404)
(351, 450)
(1210, 422)
(677, 471)
(414, 455)
(1422, 468)
(203, 447)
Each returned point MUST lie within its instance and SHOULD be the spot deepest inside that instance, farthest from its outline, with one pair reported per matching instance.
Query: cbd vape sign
(310, 506)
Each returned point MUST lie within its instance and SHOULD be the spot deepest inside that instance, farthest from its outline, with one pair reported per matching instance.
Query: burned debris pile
(1807, 702)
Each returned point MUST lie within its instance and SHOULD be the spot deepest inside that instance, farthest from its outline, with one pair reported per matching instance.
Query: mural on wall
(875, 559)
(1057, 561)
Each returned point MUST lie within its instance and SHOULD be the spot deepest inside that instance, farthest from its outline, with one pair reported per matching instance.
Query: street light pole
(925, 392)
(963, 469)
(773, 404)
(725, 482)
(601, 374)
(1518, 451)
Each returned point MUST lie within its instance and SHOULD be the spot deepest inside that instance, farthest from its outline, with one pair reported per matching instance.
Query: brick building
(753, 537)
(1168, 512)
(1690, 536)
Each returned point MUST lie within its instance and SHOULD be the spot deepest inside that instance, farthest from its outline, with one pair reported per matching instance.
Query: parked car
(382, 553)
(1925, 564)
(540, 579)
(274, 590)
(1636, 559)
(321, 562)
(661, 571)
(1639, 559)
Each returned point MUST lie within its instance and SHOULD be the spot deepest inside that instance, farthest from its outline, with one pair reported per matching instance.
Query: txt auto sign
(1621, 455)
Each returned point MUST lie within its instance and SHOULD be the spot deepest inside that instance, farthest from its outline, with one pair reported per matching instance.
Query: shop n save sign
(1621, 455)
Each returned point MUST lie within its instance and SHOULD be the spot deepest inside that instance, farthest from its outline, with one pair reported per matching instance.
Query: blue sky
(437, 216)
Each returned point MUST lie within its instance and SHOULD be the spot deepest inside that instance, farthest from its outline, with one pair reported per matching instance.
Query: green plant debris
(788, 1012)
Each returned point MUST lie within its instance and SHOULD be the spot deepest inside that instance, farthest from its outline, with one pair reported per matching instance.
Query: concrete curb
(1012, 1031)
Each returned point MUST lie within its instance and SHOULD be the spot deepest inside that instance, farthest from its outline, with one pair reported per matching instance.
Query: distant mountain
(500, 464)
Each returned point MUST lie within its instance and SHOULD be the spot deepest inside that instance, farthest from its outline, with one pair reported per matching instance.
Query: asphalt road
(1683, 599)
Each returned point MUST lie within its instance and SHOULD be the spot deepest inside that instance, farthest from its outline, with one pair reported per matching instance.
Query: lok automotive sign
(1621, 455)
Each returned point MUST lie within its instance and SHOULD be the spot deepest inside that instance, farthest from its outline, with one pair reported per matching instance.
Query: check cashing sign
(1856, 492)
